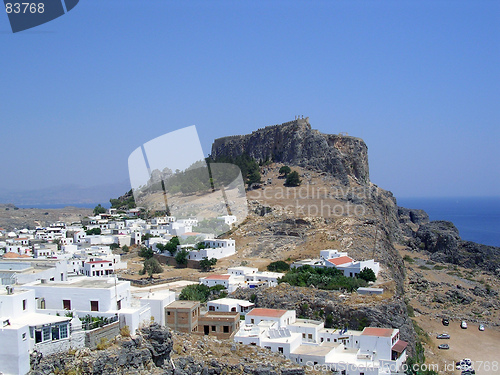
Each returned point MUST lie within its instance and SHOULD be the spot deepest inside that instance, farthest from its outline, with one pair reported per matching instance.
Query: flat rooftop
(306, 323)
(183, 304)
(313, 350)
(83, 282)
(228, 301)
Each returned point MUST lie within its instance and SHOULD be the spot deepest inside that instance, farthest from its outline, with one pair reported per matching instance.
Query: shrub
(207, 264)
(293, 179)
(278, 266)
(125, 331)
(367, 274)
(146, 252)
(195, 292)
(104, 343)
(182, 257)
(285, 170)
(151, 266)
(408, 259)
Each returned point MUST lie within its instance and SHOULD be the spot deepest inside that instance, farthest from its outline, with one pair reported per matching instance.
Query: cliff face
(296, 143)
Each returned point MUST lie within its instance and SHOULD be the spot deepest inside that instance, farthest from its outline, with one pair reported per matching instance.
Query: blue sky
(417, 80)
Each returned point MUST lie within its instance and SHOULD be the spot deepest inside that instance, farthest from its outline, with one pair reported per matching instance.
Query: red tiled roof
(269, 313)
(380, 332)
(99, 261)
(191, 233)
(399, 346)
(341, 260)
(10, 255)
(218, 277)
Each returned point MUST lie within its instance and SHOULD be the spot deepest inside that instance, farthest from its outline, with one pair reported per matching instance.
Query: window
(25, 304)
(213, 328)
(280, 349)
(24, 336)
(252, 321)
(267, 347)
(46, 333)
(211, 308)
(55, 333)
(63, 331)
(38, 336)
(303, 335)
(310, 336)
(66, 304)
(168, 312)
(94, 305)
(226, 329)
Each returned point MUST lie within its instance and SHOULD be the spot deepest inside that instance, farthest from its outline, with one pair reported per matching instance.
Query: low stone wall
(94, 337)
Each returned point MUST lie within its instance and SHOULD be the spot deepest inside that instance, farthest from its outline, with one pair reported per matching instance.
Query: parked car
(445, 322)
(443, 346)
(464, 365)
(463, 325)
(481, 327)
(443, 336)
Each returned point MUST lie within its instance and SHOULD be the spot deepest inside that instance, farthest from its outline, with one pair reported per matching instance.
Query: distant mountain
(64, 194)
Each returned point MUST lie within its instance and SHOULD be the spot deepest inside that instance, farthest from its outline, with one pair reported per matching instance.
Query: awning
(400, 346)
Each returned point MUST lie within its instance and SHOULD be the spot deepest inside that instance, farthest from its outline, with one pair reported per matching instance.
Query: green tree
(285, 170)
(329, 321)
(278, 266)
(93, 232)
(114, 246)
(195, 292)
(146, 252)
(182, 257)
(151, 266)
(367, 274)
(293, 179)
(171, 245)
(125, 249)
(99, 209)
(207, 264)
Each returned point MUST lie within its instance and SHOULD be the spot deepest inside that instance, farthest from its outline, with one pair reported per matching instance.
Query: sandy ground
(482, 347)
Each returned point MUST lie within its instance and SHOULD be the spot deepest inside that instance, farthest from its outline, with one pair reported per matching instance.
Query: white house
(230, 282)
(230, 305)
(228, 219)
(83, 294)
(242, 270)
(98, 268)
(340, 261)
(157, 301)
(23, 330)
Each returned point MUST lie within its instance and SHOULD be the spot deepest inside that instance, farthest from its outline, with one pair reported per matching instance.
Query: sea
(477, 219)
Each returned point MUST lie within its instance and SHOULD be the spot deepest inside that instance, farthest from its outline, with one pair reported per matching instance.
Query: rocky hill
(296, 143)
(157, 350)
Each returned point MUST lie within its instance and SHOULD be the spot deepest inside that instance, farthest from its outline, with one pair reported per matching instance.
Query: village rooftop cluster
(60, 291)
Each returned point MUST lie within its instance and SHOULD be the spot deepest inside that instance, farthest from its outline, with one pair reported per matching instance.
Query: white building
(228, 219)
(23, 330)
(98, 268)
(373, 351)
(230, 282)
(230, 305)
(340, 261)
